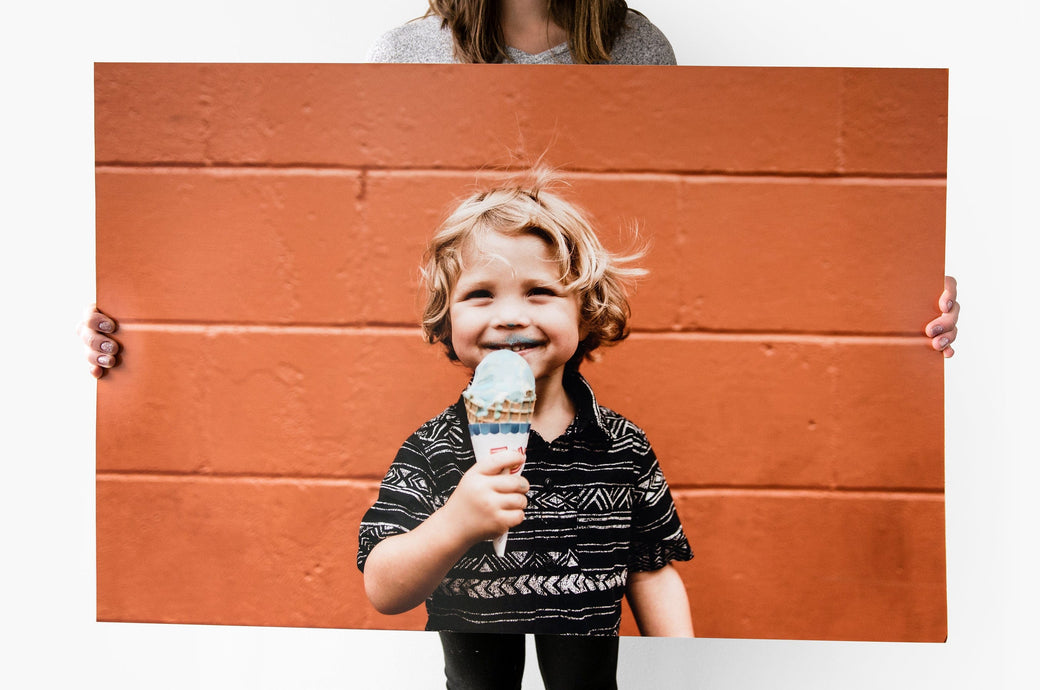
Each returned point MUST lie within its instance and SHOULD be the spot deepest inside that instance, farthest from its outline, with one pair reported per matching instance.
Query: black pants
(488, 661)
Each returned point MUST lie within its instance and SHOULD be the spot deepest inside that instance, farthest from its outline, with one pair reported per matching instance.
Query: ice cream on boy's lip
(499, 404)
(516, 343)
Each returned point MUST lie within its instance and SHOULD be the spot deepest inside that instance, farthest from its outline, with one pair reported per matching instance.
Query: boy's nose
(511, 315)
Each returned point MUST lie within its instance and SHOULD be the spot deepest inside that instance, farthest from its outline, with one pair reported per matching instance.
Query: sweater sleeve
(421, 40)
(641, 43)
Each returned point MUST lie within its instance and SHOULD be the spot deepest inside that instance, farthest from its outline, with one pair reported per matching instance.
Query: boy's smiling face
(509, 295)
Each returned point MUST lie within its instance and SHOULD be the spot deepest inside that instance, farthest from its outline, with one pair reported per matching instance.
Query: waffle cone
(503, 411)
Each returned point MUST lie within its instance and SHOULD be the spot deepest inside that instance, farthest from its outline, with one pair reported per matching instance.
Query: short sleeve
(641, 43)
(406, 500)
(382, 50)
(421, 40)
(658, 537)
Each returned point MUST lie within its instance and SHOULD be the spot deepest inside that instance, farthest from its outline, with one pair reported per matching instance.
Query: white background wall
(47, 273)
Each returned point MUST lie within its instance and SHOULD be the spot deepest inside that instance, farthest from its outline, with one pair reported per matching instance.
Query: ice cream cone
(499, 406)
(501, 411)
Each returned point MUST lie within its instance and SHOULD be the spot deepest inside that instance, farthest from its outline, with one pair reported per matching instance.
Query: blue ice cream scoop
(502, 387)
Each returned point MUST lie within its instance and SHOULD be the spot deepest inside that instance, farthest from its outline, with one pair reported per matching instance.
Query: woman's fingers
(98, 342)
(943, 341)
(943, 330)
(100, 359)
(101, 349)
(948, 298)
(100, 322)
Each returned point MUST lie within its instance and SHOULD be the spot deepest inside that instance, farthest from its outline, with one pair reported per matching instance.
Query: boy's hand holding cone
(490, 498)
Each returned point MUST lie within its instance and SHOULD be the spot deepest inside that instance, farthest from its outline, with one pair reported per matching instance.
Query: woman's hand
(95, 331)
(943, 330)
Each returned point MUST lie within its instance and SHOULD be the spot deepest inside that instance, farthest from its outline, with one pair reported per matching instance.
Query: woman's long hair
(592, 26)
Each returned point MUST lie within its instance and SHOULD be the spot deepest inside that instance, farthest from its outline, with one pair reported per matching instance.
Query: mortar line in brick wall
(224, 170)
(411, 330)
(857, 493)
(233, 328)
(907, 493)
(810, 337)
(707, 175)
(251, 478)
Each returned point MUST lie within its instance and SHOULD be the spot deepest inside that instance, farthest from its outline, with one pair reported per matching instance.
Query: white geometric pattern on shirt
(590, 499)
(571, 583)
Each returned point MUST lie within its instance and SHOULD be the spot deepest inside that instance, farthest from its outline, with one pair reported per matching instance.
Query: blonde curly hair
(526, 206)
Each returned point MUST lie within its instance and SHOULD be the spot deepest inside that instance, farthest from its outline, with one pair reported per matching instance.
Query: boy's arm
(659, 603)
(403, 570)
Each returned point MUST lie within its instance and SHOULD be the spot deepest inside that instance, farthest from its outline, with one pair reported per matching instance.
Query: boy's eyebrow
(545, 281)
(487, 281)
(470, 287)
(463, 287)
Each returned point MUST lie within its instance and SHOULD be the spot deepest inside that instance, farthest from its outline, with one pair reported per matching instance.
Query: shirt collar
(587, 417)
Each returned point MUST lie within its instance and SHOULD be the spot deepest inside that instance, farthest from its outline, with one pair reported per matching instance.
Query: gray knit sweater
(425, 40)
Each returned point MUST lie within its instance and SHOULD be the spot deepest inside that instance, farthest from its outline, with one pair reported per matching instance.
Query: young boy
(590, 519)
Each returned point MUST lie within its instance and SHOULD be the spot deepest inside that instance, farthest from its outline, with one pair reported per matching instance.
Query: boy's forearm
(403, 570)
(659, 603)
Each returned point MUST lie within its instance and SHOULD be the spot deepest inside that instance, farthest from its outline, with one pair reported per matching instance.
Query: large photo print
(259, 235)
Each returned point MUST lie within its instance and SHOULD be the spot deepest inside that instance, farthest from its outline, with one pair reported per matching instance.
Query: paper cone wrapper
(504, 427)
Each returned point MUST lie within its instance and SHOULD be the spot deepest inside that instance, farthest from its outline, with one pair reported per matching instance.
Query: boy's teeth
(515, 348)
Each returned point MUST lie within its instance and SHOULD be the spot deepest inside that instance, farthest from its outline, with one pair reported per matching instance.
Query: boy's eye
(543, 291)
(477, 294)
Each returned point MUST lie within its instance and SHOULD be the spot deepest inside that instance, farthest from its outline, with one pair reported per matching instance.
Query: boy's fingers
(500, 462)
(513, 484)
(509, 483)
(514, 517)
(514, 501)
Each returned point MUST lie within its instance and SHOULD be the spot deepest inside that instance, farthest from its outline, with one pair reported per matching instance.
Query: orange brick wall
(258, 231)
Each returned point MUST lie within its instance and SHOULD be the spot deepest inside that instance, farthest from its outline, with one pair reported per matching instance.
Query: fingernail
(944, 342)
(937, 330)
(105, 326)
(949, 305)
(106, 346)
(104, 360)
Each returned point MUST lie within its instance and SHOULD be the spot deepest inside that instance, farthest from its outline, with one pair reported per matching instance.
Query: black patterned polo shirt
(599, 507)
